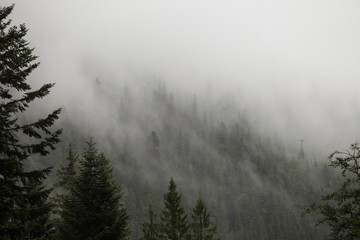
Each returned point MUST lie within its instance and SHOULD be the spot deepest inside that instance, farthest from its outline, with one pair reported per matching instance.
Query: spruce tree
(200, 227)
(24, 209)
(66, 173)
(174, 220)
(151, 229)
(92, 209)
(36, 209)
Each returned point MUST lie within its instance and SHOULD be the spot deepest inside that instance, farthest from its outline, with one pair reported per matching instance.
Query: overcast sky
(295, 63)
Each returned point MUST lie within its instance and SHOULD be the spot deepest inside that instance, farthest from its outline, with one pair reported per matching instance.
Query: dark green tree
(66, 173)
(92, 209)
(200, 227)
(24, 209)
(174, 219)
(341, 208)
(151, 229)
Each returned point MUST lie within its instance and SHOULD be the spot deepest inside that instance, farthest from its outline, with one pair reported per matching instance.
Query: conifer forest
(181, 120)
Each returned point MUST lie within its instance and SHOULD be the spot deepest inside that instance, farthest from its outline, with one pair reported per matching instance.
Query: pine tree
(66, 173)
(174, 219)
(36, 208)
(24, 209)
(92, 209)
(151, 229)
(200, 227)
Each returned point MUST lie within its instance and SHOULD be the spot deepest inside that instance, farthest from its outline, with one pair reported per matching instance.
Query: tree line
(89, 206)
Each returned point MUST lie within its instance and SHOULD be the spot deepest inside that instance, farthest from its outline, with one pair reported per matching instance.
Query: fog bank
(293, 65)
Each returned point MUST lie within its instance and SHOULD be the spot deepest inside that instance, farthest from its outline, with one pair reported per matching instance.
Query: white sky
(295, 62)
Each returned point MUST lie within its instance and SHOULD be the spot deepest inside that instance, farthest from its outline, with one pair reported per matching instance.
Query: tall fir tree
(200, 227)
(24, 209)
(151, 229)
(174, 222)
(66, 173)
(92, 209)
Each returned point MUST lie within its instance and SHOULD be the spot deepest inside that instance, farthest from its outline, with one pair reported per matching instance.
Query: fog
(292, 65)
(217, 94)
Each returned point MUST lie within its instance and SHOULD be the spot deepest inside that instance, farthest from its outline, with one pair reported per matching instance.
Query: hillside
(255, 188)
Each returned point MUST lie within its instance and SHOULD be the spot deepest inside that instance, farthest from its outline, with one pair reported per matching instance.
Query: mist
(228, 89)
(294, 64)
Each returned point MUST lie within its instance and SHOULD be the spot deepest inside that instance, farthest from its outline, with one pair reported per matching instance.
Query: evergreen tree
(36, 209)
(92, 209)
(151, 229)
(174, 219)
(66, 173)
(200, 227)
(24, 210)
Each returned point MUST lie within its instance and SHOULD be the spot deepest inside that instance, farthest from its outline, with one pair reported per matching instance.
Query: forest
(150, 162)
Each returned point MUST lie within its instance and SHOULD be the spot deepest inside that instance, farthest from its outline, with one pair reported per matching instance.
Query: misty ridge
(209, 146)
(238, 103)
(293, 67)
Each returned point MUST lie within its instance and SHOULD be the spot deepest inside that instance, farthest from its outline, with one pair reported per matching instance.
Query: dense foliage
(200, 226)
(174, 219)
(92, 209)
(24, 209)
(151, 229)
(65, 174)
(341, 208)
